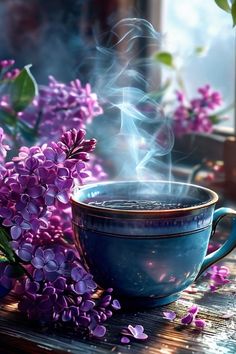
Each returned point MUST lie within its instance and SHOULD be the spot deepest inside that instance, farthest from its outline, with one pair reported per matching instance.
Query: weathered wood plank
(18, 335)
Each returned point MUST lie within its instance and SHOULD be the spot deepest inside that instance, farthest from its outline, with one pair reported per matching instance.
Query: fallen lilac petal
(227, 315)
(116, 304)
(141, 336)
(125, 340)
(169, 315)
(187, 319)
(137, 332)
(132, 330)
(200, 323)
(193, 310)
(219, 279)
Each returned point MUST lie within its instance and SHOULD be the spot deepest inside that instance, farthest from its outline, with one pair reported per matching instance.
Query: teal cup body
(148, 256)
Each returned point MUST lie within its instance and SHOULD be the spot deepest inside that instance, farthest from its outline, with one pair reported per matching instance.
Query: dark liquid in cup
(145, 204)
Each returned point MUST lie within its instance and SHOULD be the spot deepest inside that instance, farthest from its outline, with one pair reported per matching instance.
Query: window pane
(201, 24)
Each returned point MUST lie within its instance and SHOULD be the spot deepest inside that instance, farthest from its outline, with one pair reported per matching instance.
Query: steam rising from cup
(140, 139)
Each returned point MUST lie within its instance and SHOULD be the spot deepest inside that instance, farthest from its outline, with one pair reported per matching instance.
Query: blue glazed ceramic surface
(147, 256)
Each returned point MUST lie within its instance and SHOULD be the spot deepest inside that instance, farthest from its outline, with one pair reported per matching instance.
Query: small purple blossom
(187, 319)
(116, 304)
(169, 315)
(190, 317)
(48, 263)
(193, 310)
(83, 281)
(99, 331)
(218, 276)
(125, 340)
(24, 250)
(6, 63)
(200, 323)
(136, 332)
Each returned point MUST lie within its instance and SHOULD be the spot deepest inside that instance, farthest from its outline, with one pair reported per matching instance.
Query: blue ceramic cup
(147, 256)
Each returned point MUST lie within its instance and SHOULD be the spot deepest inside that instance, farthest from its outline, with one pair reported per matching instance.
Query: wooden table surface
(18, 335)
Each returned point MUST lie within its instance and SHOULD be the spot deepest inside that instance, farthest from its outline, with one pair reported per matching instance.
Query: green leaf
(5, 245)
(200, 50)
(223, 4)
(7, 118)
(165, 58)
(233, 12)
(23, 89)
(215, 119)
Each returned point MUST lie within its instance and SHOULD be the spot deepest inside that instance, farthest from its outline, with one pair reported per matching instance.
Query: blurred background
(52, 35)
(197, 49)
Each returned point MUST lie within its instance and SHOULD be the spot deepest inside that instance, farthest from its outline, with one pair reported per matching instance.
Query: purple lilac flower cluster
(34, 196)
(61, 291)
(40, 178)
(59, 107)
(194, 115)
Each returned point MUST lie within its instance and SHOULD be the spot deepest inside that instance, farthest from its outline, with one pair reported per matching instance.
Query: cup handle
(229, 244)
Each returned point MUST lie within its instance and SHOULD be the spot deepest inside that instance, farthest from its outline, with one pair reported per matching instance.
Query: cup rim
(214, 199)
